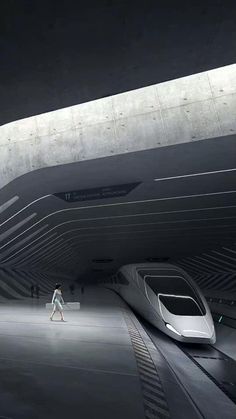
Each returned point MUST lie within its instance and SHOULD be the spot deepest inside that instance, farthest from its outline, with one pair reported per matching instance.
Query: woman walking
(57, 302)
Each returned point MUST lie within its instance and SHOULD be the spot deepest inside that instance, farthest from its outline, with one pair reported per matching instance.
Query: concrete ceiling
(189, 208)
(56, 54)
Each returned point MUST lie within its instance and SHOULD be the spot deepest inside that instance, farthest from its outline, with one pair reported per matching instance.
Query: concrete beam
(189, 109)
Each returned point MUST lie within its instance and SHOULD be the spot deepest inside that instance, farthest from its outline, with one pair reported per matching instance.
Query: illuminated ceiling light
(214, 172)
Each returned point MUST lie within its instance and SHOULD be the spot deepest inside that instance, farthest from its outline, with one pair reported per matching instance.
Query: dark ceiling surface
(56, 54)
(189, 208)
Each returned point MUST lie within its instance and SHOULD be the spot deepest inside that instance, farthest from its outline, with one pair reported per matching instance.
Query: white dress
(57, 301)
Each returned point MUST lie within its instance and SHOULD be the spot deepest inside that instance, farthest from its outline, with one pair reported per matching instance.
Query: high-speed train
(168, 298)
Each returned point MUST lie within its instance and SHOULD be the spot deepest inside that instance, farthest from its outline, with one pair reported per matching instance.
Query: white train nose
(197, 326)
(185, 329)
(189, 327)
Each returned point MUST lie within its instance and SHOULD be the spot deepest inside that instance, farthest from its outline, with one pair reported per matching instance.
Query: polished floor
(83, 368)
(101, 363)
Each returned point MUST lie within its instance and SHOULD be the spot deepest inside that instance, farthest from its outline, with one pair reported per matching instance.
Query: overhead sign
(102, 192)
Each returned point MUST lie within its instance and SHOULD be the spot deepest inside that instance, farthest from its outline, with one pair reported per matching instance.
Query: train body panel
(167, 297)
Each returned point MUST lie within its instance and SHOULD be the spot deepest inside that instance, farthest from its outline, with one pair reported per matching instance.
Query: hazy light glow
(172, 329)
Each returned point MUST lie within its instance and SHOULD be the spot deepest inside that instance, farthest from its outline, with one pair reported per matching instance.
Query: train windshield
(174, 284)
(180, 305)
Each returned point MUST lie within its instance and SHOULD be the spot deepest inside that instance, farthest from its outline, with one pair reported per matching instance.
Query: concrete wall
(188, 109)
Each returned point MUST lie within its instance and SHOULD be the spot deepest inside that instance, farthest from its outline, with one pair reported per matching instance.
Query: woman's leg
(62, 317)
(53, 312)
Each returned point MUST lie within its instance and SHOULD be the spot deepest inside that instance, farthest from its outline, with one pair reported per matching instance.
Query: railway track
(216, 365)
(219, 367)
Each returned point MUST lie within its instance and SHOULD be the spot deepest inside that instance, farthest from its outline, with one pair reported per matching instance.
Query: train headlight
(172, 329)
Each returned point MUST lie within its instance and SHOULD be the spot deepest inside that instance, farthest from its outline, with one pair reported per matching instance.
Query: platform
(83, 368)
(99, 364)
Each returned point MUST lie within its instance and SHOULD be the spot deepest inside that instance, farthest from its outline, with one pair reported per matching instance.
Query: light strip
(121, 203)
(195, 331)
(64, 247)
(40, 258)
(59, 252)
(30, 250)
(38, 253)
(125, 216)
(38, 238)
(132, 224)
(229, 250)
(16, 227)
(199, 265)
(195, 174)
(187, 265)
(41, 250)
(111, 226)
(143, 231)
(210, 263)
(23, 241)
(24, 208)
(176, 230)
(125, 225)
(147, 231)
(93, 235)
(42, 264)
(222, 262)
(65, 256)
(8, 203)
(202, 261)
(55, 265)
(226, 256)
